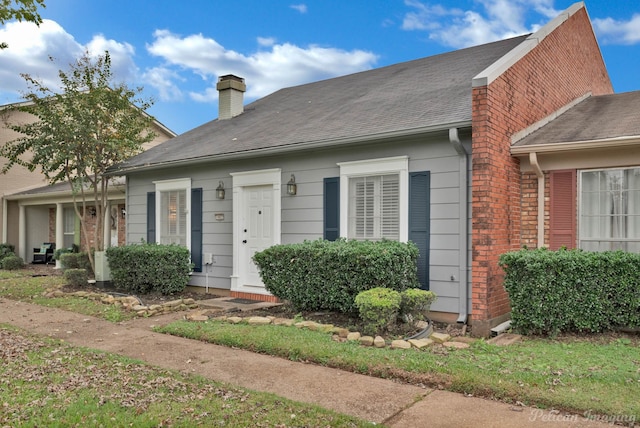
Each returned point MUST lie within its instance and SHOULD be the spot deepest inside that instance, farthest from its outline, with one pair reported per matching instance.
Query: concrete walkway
(381, 401)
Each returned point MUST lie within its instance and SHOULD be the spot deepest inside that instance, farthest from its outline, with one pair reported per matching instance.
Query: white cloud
(122, 64)
(615, 31)
(265, 71)
(42, 51)
(302, 8)
(163, 79)
(29, 51)
(266, 41)
(457, 28)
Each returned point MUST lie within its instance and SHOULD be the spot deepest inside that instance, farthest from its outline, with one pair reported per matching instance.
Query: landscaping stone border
(339, 334)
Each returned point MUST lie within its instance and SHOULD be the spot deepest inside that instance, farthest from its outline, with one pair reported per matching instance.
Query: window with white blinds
(173, 199)
(173, 217)
(374, 199)
(374, 211)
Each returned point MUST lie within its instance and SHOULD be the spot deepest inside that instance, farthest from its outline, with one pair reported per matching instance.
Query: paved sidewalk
(381, 401)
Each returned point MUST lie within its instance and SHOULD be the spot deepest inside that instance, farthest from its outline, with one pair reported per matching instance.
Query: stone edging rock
(339, 334)
(130, 303)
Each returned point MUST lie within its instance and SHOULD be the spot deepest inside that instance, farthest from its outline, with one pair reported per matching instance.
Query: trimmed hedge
(327, 275)
(572, 290)
(142, 268)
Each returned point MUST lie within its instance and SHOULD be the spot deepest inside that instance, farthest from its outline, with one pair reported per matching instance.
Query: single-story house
(440, 151)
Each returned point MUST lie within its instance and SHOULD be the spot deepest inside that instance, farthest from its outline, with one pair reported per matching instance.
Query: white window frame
(376, 167)
(581, 238)
(69, 214)
(171, 185)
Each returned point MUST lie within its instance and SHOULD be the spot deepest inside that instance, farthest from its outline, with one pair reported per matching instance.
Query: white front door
(256, 224)
(257, 230)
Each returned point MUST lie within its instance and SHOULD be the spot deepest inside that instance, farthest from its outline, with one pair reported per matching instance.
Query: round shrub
(76, 277)
(12, 262)
(415, 303)
(6, 250)
(75, 261)
(378, 309)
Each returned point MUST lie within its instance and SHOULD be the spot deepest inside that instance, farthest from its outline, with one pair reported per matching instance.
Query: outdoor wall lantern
(292, 188)
(220, 190)
(92, 211)
(123, 212)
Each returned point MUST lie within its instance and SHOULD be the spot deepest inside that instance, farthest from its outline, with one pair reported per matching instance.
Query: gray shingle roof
(429, 92)
(596, 118)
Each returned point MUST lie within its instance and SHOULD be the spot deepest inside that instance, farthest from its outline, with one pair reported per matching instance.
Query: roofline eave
(616, 142)
(292, 148)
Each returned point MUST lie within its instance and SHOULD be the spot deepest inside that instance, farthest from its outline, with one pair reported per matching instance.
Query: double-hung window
(374, 193)
(172, 212)
(610, 209)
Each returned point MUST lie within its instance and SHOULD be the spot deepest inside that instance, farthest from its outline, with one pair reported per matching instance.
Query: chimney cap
(230, 77)
(230, 81)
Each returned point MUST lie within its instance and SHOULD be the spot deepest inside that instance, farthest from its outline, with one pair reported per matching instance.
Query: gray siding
(302, 215)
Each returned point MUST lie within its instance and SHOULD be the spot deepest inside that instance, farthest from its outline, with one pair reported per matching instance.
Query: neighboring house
(33, 212)
(581, 176)
(418, 151)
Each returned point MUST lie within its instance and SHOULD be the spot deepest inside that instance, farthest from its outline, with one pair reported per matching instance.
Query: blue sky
(176, 50)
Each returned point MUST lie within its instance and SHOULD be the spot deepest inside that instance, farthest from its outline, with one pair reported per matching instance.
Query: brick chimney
(230, 96)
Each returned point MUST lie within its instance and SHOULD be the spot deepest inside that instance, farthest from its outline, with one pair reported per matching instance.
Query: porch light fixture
(92, 211)
(292, 187)
(220, 190)
(123, 212)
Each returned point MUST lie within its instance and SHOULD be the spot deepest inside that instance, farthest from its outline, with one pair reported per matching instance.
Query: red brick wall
(564, 66)
(529, 210)
(91, 225)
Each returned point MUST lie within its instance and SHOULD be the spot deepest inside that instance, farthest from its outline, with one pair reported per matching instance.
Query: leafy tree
(22, 10)
(79, 132)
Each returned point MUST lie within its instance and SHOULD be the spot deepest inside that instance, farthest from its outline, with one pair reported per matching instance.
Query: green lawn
(598, 374)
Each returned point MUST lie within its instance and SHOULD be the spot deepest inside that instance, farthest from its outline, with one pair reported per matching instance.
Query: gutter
(463, 229)
(617, 142)
(291, 148)
(533, 160)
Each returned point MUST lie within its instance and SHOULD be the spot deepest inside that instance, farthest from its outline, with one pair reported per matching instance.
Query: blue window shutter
(196, 229)
(151, 217)
(419, 221)
(331, 215)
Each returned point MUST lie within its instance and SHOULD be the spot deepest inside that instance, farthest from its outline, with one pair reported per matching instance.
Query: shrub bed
(327, 275)
(143, 268)
(572, 290)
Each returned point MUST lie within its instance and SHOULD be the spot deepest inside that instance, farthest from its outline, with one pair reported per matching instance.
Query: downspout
(533, 160)
(463, 229)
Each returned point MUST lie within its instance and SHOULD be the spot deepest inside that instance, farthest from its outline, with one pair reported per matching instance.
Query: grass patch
(22, 285)
(572, 374)
(48, 383)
